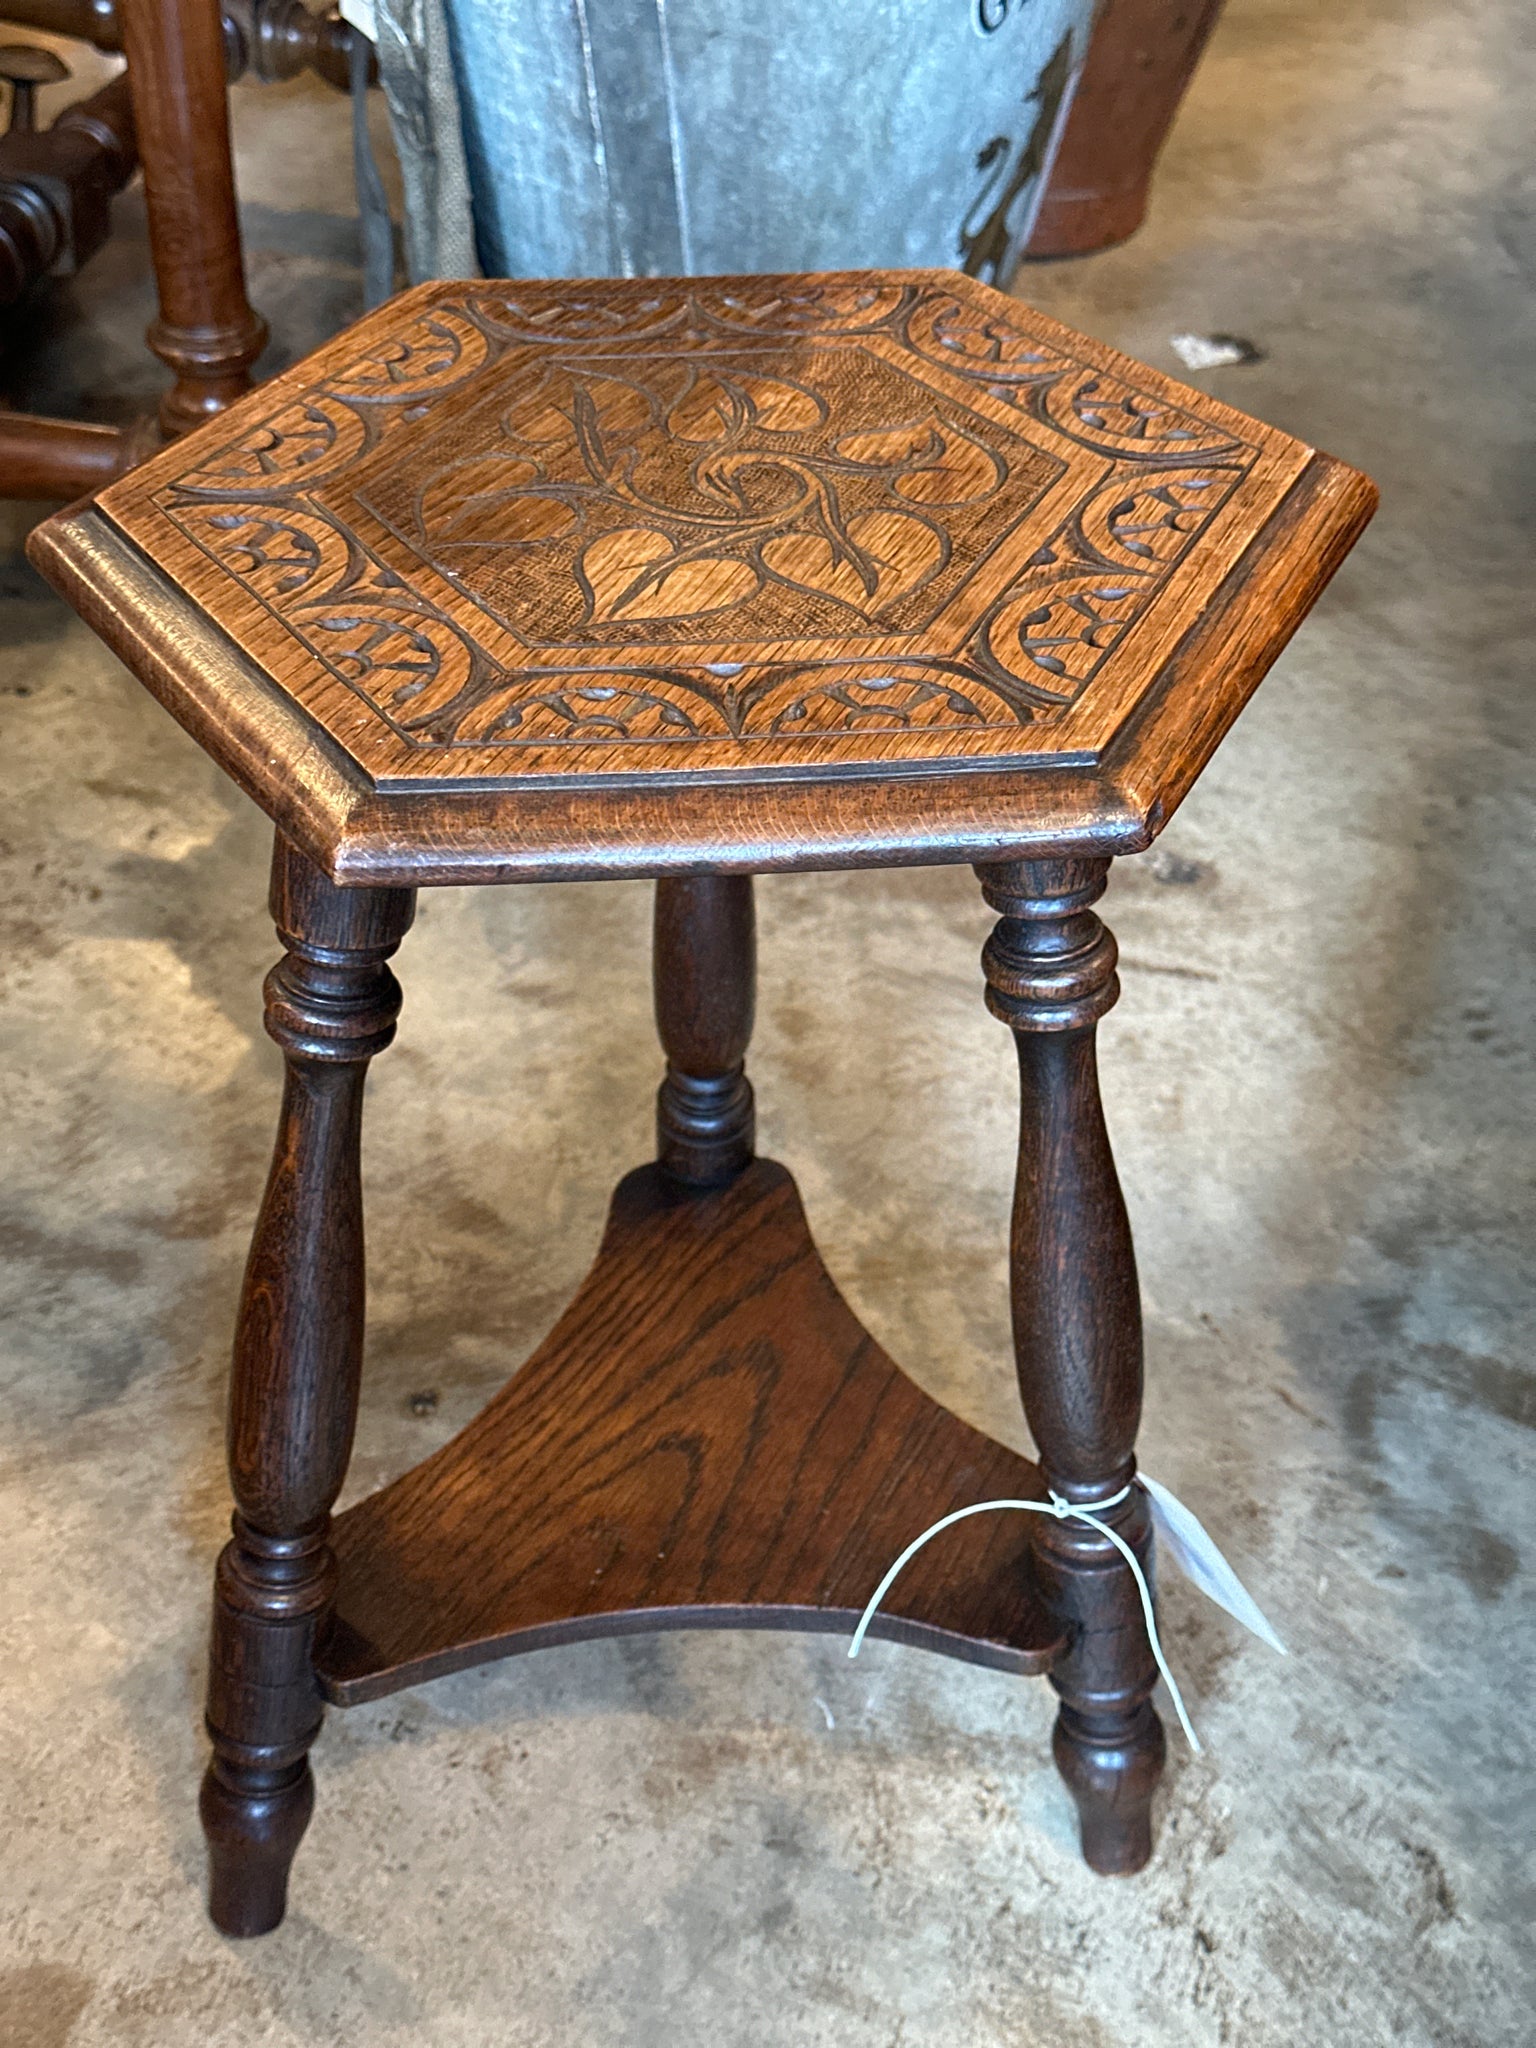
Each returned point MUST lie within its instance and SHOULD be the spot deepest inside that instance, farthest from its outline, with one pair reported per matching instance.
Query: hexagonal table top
(710, 570)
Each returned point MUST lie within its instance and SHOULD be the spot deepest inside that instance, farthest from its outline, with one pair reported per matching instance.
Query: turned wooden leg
(331, 1004)
(206, 332)
(704, 968)
(1050, 967)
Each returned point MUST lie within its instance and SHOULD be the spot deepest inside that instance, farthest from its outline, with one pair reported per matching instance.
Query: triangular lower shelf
(707, 1438)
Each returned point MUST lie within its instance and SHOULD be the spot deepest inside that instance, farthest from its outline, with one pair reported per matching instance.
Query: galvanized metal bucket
(659, 137)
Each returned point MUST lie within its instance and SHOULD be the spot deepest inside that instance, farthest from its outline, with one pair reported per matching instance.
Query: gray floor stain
(39, 2004)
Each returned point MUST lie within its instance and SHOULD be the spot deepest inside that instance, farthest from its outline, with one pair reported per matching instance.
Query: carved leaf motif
(492, 501)
(810, 562)
(965, 472)
(714, 407)
(1100, 411)
(891, 447)
(783, 408)
(614, 565)
(278, 550)
(1068, 632)
(703, 586)
(1153, 524)
(623, 410)
(625, 578)
(825, 306)
(573, 708)
(873, 701)
(435, 350)
(540, 415)
(308, 439)
(942, 464)
(705, 412)
(606, 415)
(950, 333)
(891, 554)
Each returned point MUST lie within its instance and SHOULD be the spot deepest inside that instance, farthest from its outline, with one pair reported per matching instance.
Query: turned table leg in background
(331, 1004)
(206, 332)
(1050, 968)
(704, 970)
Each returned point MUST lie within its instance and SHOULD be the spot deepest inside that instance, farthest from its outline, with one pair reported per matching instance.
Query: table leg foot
(1110, 1764)
(254, 1821)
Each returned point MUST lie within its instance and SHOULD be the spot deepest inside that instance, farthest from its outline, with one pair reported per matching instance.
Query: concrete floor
(1318, 1084)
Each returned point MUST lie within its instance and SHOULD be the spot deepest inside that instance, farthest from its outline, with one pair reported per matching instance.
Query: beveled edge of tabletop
(760, 821)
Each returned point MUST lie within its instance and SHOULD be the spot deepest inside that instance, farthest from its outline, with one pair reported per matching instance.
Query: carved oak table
(689, 580)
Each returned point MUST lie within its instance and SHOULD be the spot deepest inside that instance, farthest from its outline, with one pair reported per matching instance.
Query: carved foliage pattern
(659, 493)
(698, 476)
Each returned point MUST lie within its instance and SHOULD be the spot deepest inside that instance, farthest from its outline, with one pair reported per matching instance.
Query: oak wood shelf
(708, 1438)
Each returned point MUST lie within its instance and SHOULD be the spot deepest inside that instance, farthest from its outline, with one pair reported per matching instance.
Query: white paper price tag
(1179, 1536)
(359, 14)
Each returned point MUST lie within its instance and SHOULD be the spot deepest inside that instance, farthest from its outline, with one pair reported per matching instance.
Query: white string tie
(1063, 1511)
